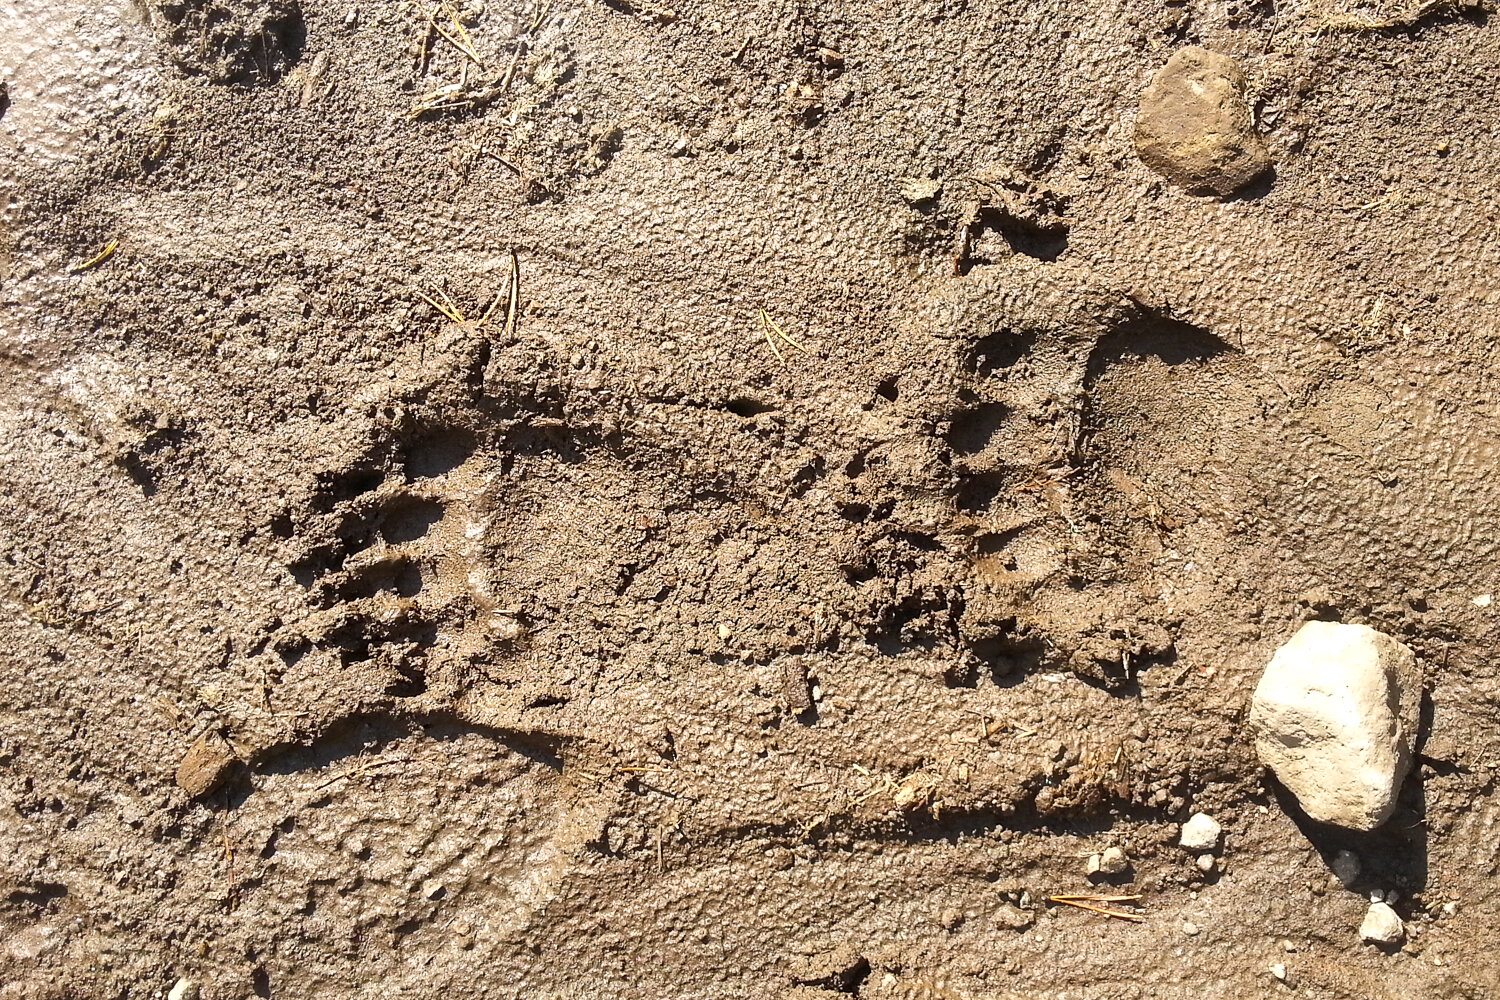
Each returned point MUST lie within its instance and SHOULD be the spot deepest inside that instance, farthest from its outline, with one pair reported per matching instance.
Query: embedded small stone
(206, 766)
(1382, 925)
(919, 191)
(184, 989)
(1113, 862)
(1335, 718)
(1195, 126)
(1205, 863)
(1200, 833)
(1346, 868)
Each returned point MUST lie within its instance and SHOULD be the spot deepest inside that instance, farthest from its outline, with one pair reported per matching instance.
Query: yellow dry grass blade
(462, 41)
(448, 310)
(771, 326)
(97, 259)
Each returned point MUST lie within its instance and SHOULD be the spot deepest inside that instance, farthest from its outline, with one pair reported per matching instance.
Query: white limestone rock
(1335, 717)
(1382, 925)
(1200, 833)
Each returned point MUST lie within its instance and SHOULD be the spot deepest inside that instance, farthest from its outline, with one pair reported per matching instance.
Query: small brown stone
(206, 766)
(796, 689)
(1195, 126)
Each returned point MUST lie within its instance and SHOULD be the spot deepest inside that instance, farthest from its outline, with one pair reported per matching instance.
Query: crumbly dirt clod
(231, 41)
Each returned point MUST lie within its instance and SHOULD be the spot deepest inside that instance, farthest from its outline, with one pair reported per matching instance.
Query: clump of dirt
(231, 42)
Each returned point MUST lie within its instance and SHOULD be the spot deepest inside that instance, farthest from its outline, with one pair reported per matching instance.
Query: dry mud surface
(629, 649)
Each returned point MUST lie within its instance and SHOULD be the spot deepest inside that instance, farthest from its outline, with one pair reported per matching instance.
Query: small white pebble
(1201, 833)
(1189, 928)
(1205, 863)
(1279, 971)
(1113, 861)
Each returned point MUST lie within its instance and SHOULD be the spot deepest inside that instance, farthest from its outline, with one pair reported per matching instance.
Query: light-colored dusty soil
(629, 650)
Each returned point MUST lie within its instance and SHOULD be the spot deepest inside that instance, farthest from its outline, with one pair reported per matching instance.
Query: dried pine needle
(772, 327)
(1086, 903)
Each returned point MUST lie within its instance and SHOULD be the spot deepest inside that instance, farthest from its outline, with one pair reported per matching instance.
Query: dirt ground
(766, 600)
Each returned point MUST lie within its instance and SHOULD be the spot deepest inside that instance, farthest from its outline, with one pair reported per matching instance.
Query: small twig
(501, 160)
(361, 770)
(426, 51)
(510, 71)
(234, 885)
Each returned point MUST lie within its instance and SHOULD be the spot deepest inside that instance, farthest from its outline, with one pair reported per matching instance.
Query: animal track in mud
(382, 562)
(1032, 446)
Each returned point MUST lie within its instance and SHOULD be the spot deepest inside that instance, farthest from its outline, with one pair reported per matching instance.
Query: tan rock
(206, 766)
(1335, 717)
(1195, 126)
(1382, 925)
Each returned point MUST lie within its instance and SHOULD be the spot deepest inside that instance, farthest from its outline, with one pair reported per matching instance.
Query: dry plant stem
(1078, 901)
(99, 258)
(515, 294)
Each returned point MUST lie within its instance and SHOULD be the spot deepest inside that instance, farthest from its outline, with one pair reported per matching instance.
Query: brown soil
(632, 650)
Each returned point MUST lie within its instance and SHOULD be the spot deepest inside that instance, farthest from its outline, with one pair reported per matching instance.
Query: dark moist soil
(782, 604)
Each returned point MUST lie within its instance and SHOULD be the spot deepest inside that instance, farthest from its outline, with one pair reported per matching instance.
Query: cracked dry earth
(628, 649)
